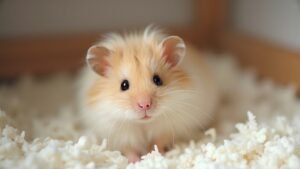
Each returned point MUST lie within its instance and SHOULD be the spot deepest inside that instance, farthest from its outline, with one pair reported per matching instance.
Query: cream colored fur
(183, 105)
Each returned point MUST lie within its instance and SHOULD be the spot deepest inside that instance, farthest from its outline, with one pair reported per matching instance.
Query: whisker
(186, 127)
(189, 117)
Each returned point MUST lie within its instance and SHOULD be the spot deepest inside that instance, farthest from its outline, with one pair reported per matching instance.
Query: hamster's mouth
(146, 117)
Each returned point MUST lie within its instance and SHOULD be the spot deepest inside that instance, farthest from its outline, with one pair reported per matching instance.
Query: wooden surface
(270, 60)
(210, 18)
(46, 55)
(42, 55)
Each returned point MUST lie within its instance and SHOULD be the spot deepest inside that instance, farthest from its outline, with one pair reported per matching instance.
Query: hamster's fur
(177, 107)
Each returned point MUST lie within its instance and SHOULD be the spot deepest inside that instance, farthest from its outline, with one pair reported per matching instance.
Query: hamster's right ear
(97, 59)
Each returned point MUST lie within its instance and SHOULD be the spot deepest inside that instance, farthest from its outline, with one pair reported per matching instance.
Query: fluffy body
(183, 105)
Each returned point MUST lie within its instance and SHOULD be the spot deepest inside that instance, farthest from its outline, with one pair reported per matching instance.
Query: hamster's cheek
(163, 101)
(125, 106)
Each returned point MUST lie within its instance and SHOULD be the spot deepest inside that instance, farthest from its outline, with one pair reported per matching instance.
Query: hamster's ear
(97, 59)
(174, 49)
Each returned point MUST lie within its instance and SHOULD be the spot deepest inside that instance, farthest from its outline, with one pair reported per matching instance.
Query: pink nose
(146, 105)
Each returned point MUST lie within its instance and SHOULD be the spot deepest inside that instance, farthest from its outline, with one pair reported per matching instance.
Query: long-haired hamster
(146, 88)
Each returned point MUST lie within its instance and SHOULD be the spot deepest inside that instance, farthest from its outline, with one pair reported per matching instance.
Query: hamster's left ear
(97, 59)
(173, 49)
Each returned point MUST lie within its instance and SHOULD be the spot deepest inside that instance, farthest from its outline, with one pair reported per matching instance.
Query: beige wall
(277, 20)
(34, 17)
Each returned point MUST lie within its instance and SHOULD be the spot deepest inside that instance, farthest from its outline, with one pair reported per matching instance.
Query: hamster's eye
(157, 81)
(124, 85)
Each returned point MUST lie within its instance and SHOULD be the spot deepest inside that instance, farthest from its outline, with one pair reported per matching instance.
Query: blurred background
(44, 17)
(272, 19)
(45, 36)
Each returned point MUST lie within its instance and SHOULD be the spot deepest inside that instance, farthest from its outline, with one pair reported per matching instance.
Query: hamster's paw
(163, 144)
(132, 156)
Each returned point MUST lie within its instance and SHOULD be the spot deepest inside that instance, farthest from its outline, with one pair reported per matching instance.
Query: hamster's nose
(144, 105)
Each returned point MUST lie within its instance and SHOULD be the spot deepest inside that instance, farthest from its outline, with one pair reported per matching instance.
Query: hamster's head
(139, 74)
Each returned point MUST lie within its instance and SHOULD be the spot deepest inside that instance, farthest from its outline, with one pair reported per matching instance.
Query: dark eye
(157, 81)
(124, 85)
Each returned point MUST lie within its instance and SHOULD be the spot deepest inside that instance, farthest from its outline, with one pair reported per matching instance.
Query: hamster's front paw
(132, 156)
(163, 144)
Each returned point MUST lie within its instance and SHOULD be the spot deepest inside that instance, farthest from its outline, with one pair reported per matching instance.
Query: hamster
(146, 88)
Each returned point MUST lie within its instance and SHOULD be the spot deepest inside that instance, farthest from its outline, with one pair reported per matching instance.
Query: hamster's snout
(143, 105)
